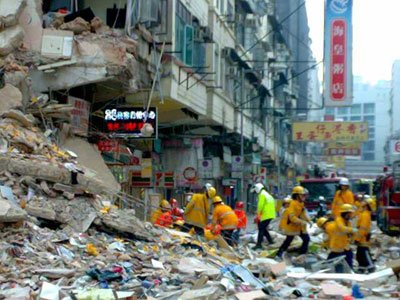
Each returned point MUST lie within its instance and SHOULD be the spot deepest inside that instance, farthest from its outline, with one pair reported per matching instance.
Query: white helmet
(344, 181)
(257, 188)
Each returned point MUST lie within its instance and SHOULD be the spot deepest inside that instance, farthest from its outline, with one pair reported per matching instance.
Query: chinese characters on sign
(348, 149)
(128, 121)
(330, 131)
(79, 115)
(338, 53)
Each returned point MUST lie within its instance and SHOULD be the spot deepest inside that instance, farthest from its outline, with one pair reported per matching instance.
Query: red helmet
(239, 205)
(173, 202)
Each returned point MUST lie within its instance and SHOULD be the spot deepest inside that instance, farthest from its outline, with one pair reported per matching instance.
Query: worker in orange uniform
(295, 222)
(363, 237)
(328, 226)
(197, 210)
(342, 196)
(339, 243)
(165, 220)
(224, 216)
(242, 221)
(163, 207)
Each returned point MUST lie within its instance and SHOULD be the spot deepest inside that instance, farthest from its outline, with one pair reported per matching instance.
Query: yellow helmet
(321, 221)
(209, 235)
(298, 190)
(165, 204)
(211, 192)
(371, 203)
(346, 208)
(217, 199)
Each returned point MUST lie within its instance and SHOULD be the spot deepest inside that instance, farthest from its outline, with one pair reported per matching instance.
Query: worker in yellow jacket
(342, 196)
(163, 207)
(339, 243)
(197, 210)
(225, 217)
(363, 237)
(328, 226)
(295, 222)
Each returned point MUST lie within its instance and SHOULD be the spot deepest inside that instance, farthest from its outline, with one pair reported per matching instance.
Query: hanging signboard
(132, 122)
(330, 131)
(79, 115)
(338, 85)
(164, 179)
(348, 149)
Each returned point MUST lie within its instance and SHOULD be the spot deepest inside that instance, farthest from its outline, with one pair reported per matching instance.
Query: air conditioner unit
(198, 34)
(207, 34)
(149, 13)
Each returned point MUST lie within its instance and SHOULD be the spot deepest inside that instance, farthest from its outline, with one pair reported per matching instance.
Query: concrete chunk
(10, 39)
(10, 97)
(10, 11)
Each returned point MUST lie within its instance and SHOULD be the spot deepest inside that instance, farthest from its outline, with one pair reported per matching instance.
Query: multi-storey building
(371, 104)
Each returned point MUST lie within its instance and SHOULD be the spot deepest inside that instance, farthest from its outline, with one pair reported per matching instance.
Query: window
(355, 118)
(368, 156)
(369, 146)
(184, 34)
(343, 110)
(356, 109)
(330, 111)
(369, 108)
(370, 120)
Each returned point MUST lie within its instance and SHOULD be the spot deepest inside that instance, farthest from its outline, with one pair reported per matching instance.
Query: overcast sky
(376, 37)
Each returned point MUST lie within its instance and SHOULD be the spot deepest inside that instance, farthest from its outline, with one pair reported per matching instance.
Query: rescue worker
(328, 226)
(285, 205)
(363, 237)
(266, 212)
(342, 196)
(177, 213)
(197, 210)
(224, 216)
(165, 220)
(163, 207)
(339, 242)
(284, 212)
(242, 221)
(295, 222)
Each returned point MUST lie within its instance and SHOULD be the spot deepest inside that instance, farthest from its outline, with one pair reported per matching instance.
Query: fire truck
(387, 189)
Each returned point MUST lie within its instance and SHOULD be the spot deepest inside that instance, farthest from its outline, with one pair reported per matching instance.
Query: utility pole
(243, 96)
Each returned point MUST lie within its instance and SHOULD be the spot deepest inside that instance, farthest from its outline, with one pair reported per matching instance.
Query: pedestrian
(342, 196)
(177, 213)
(225, 217)
(242, 221)
(327, 225)
(295, 222)
(363, 237)
(266, 212)
(163, 207)
(339, 243)
(197, 210)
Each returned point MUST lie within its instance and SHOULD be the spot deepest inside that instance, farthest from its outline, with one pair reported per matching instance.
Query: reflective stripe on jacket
(266, 206)
(224, 216)
(364, 228)
(197, 210)
(340, 238)
(341, 197)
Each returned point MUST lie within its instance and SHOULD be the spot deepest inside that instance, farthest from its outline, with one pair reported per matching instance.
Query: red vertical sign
(338, 60)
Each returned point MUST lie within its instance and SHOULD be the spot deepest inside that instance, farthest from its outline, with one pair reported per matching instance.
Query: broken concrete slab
(10, 11)
(10, 213)
(10, 39)
(78, 25)
(24, 120)
(31, 20)
(10, 97)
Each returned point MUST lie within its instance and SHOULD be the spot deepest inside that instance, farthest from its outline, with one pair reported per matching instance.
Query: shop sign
(164, 179)
(338, 86)
(395, 147)
(237, 163)
(138, 181)
(205, 168)
(79, 115)
(129, 121)
(348, 149)
(330, 131)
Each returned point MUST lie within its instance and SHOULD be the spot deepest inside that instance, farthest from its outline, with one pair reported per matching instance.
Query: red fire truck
(387, 191)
